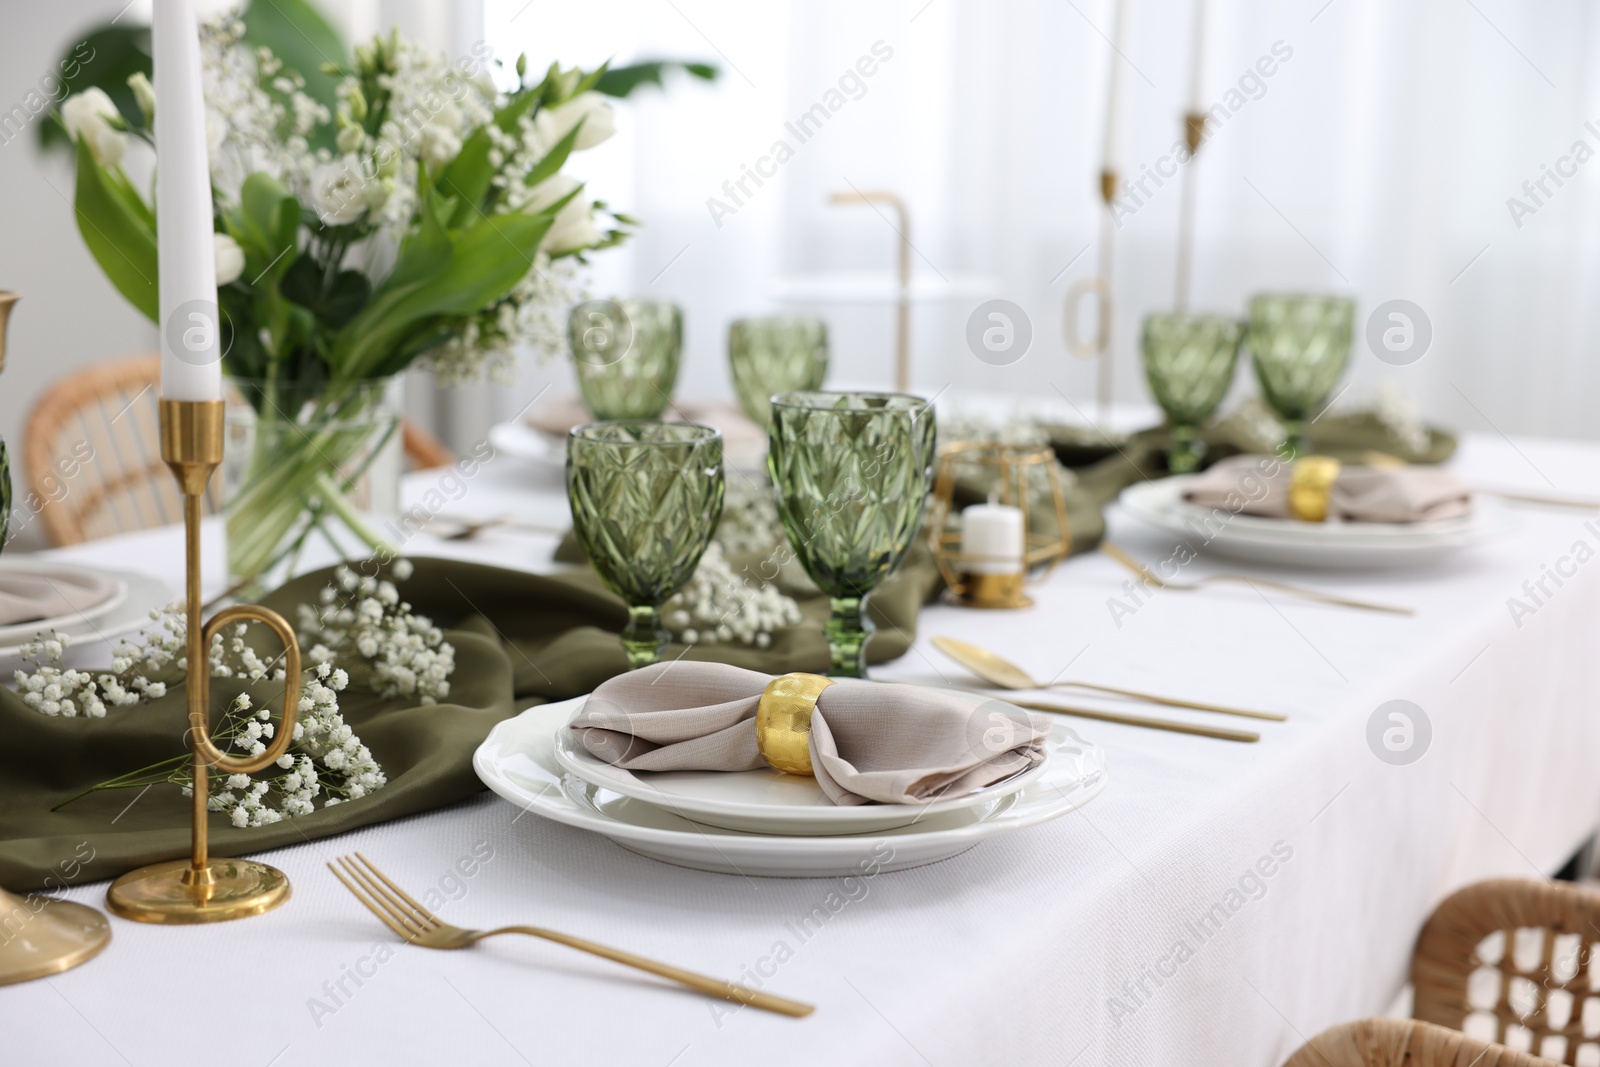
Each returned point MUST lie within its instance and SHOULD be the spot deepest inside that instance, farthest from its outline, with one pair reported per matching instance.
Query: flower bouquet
(419, 216)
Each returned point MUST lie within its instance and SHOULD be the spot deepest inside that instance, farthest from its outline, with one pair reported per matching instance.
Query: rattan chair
(1516, 962)
(1402, 1043)
(93, 457)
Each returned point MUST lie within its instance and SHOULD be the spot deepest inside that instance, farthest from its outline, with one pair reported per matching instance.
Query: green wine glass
(645, 499)
(772, 355)
(626, 353)
(850, 475)
(1189, 362)
(1300, 345)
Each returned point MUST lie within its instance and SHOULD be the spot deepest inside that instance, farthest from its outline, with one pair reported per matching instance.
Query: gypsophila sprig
(139, 672)
(362, 619)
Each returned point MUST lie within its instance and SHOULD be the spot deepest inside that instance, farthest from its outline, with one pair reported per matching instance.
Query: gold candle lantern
(202, 889)
(1020, 477)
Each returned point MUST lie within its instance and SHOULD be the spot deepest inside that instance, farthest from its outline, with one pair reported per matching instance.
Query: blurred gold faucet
(902, 324)
(7, 299)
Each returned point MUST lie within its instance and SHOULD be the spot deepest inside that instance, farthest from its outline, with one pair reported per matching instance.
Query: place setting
(497, 550)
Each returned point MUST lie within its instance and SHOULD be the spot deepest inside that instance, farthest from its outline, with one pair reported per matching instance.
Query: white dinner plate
(766, 801)
(24, 631)
(535, 447)
(518, 762)
(142, 594)
(744, 445)
(1292, 543)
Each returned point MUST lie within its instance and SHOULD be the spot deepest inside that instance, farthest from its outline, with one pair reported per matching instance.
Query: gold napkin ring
(1310, 482)
(783, 721)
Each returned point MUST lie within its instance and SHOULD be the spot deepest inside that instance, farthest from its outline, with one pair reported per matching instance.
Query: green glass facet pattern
(850, 475)
(626, 353)
(1189, 362)
(780, 354)
(1300, 345)
(645, 499)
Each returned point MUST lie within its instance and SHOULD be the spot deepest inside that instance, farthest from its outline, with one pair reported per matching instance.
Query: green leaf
(333, 307)
(623, 81)
(121, 240)
(554, 159)
(591, 79)
(104, 58)
(483, 266)
(270, 218)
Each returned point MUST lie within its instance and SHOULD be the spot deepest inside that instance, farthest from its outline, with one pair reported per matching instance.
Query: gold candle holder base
(44, 937)
(992, 591)
(176, 893)
(202, 889)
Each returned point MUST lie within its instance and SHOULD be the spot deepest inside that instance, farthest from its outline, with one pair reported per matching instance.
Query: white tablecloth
(1218, 904)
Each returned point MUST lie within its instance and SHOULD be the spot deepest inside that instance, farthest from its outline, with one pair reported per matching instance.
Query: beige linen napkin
(870, 742)
(1259, 485)
(49, 592)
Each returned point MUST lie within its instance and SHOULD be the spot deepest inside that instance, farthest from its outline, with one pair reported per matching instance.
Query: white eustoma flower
(591, 109)
(230, 258)
(88, 117)
(339, 191)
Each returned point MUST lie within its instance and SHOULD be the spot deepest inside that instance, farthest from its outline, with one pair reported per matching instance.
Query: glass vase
(310, 473)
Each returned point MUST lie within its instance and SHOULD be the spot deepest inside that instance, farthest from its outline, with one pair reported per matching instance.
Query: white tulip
(592, 109)
(230, 258)
(339, 191)
(145, 93)
(574, 227)
(88, 117)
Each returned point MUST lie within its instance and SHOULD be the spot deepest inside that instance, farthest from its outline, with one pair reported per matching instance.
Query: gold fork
(1148, 575)
(416, 924)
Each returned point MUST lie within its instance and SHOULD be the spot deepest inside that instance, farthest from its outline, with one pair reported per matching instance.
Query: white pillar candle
(992, 539)
(191, 352)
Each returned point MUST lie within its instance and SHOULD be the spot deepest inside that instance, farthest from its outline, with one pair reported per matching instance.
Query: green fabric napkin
(520, 639)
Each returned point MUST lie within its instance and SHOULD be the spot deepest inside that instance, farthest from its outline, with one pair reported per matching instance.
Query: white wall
(69, 315)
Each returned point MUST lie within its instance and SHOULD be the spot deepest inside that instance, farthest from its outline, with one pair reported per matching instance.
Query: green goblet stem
(847, 630)
(1294, 439)
(644, 636)
(1187, 450)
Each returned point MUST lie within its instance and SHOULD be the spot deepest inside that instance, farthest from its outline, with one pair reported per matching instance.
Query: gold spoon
(1007, 675)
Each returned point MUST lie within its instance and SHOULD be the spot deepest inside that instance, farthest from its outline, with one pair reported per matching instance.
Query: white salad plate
(65, 576)
(766, 801)
(518, 762)
(1292, 543)
(141, 594)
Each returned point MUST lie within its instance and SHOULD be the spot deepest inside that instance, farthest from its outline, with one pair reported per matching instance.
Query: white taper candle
(1197, 63)
(1109, 153)
(191, 353)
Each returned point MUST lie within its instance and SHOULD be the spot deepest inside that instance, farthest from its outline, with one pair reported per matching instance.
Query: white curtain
(1376, 158)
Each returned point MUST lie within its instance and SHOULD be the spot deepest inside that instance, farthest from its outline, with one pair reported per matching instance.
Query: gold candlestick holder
(202, 888)
(1022, 476)
(39, 936)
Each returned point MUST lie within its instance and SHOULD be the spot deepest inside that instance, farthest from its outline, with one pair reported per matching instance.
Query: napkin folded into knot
(870, 742)
(1260, 485)
(49, 592)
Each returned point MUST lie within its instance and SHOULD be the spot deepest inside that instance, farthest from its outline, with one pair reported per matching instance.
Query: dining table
(1219, 902)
